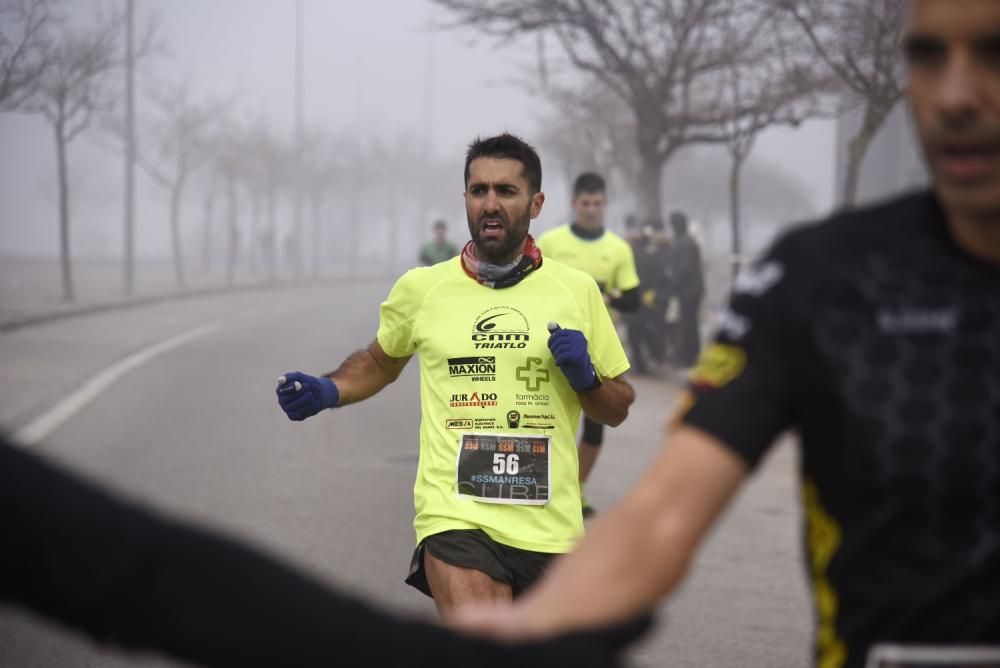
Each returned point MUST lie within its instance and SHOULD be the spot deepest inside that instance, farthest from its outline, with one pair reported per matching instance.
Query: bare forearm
(635, 554)
(627, 562)
(609, 402)
(365, 373)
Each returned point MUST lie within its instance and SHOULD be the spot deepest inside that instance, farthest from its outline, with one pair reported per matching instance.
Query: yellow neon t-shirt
(484, 359)
(608, 259)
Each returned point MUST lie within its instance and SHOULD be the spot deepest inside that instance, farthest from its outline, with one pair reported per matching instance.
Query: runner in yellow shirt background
(586, 245)
(512, 346)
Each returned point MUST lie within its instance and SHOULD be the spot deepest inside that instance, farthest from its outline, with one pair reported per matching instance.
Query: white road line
(42, 426)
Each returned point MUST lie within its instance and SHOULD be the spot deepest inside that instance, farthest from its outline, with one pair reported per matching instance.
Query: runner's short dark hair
(509, 147)
(589, 182)
(440, 223)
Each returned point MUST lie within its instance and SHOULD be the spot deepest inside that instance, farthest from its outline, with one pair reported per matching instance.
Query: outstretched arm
(362, 374)
(365, 373)
(126, 575)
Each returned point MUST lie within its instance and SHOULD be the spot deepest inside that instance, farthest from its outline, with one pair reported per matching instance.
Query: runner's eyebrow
(487, 184)
(988, 45)
(919, 47)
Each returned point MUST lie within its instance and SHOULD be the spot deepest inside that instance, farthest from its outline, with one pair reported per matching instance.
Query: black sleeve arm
(125, 575)
(629, 301)
(744, 388)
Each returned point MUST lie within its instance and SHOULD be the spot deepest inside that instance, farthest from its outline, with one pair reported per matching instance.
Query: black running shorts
(473, 548)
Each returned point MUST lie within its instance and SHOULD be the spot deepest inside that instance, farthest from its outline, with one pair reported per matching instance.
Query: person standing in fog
(688, 281)
(438, 249)
(647, 330)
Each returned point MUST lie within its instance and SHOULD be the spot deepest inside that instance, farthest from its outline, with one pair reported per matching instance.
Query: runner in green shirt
(439, 249)
(511, 346)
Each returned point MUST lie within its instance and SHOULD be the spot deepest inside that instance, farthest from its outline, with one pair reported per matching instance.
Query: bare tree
(268, 158)
(228, 162)
(653, 55)
(209, 195)
(323, 169)
(695, 180)
(25, 47)
(590, 128)
(859, 41)
(767, 84)
(180, 144)
(73, 88)
(136, 50)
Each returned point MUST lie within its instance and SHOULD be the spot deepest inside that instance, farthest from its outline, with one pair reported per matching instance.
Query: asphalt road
(195, 431)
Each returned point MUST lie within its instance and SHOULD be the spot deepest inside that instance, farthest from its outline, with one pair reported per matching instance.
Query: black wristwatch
(593, 386)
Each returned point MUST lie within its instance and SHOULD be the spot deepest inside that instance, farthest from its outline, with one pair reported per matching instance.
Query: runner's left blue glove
(569, 348)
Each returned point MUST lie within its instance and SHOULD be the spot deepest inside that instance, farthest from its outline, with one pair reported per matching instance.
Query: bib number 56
(505, 464)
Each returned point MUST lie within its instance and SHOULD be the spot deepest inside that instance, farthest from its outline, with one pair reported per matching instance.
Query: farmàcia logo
(500, 327)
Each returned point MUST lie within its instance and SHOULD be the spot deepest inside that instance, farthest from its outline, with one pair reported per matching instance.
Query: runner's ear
(537, 200)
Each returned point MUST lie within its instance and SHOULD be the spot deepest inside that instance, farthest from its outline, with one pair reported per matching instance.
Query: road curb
(17, 323)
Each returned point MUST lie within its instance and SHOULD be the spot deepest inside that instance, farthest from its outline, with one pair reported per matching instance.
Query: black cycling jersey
(878, 339)
(124, 575)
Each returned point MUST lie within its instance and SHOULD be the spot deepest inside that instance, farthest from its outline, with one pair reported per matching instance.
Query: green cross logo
(532, 374)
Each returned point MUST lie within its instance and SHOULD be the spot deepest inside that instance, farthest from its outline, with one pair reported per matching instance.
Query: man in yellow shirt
(512, 346)
(586, 245)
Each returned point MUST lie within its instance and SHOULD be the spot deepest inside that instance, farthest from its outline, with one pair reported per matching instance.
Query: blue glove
(569, 348)
(301, 395)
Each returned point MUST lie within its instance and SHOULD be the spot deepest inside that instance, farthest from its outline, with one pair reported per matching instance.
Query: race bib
(500, 468)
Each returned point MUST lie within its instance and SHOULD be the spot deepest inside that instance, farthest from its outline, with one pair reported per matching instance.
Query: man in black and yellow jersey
(512, 345)
(875, 335)
(586, 245)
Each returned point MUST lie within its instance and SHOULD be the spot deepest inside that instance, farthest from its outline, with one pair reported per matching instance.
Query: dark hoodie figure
(688, 285)
(647, 328)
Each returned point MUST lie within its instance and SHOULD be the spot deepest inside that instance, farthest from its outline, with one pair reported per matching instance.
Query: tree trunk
(272, 233)
(734, 216)
(392, 215)
(650, 197)
(130, 150)
(295, 248)
(256, 232)
(176, 194)
(273, 246)
(353, 237)
(208, 207)
(64, 250)
(317, 210)
(233, 229)
(874, 117)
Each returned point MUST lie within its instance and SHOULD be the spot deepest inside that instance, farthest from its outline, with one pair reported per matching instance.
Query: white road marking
(42, 426)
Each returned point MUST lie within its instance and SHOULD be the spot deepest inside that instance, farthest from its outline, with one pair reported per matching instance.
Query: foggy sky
(368, 66)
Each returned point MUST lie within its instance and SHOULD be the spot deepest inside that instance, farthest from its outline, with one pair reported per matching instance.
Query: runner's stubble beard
(505, 249)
